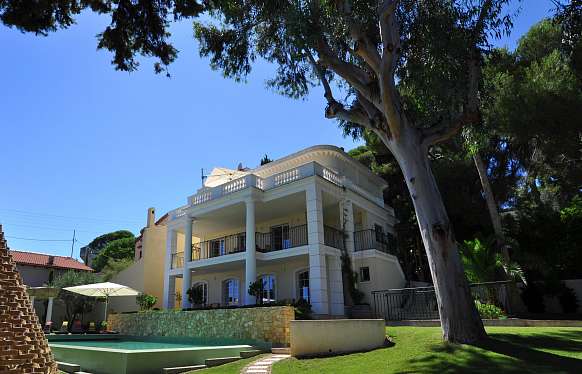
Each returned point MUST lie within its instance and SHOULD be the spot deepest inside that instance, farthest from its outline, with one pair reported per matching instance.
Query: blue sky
(88, 148)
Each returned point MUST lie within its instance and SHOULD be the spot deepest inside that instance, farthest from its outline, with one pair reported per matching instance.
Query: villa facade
(286, 223)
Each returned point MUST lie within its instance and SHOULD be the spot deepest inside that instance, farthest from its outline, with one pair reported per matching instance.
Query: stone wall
(267, 324)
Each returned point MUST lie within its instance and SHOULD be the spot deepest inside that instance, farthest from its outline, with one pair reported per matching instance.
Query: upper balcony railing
(251, 180)
(264, 242)
(177, 260)
(372, 239)
(271, 241)
(333, 237)
(225, 245)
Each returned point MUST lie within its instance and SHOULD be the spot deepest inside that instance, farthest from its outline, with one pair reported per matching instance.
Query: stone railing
(261, 324)
(251, 180)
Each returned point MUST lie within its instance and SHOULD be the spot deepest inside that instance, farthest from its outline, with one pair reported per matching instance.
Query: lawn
(420, 350)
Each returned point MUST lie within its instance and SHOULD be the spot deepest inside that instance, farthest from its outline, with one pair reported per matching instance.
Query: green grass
(421, 350)
(232, 368)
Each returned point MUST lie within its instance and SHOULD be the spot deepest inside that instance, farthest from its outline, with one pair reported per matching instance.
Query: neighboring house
(283, 223)
(39, 269)
(146, 274)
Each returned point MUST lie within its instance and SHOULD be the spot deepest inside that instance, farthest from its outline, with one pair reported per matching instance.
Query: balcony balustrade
(177, 260)
(265, 242)
(264, 184)
(372, 239)
(333, 237)
(288, 238)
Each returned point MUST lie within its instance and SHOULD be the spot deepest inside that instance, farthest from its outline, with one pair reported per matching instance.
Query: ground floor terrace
(288, 279)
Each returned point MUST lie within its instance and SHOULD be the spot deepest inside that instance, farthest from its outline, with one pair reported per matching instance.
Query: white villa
(284, 223)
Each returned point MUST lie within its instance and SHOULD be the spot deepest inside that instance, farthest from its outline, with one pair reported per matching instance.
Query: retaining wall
(265, 324)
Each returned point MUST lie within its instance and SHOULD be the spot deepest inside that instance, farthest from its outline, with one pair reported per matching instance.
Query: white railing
(264, 184)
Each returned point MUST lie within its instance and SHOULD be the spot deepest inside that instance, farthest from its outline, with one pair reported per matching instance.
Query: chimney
(151, 217)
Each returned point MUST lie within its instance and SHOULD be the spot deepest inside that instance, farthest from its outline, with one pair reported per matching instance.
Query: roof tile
(43, 260)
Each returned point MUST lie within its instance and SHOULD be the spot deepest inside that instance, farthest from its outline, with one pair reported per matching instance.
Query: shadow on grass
(561, 340)
(504, 353)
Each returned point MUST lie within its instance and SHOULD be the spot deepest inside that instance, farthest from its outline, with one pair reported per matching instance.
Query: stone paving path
(263, 366)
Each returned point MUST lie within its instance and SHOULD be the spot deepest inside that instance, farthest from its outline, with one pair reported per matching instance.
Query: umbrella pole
(106, 298)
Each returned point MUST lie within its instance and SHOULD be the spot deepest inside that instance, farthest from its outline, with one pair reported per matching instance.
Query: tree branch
(356, 77)
(390, 34)
(365, 48)
(334, 108)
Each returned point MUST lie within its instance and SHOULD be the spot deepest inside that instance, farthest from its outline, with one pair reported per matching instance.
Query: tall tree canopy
(409, 71)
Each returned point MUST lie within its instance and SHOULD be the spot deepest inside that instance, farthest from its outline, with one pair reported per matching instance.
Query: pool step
(182, 369)
(67, 367)
(250, 353)
(281, 351)
(210, 362)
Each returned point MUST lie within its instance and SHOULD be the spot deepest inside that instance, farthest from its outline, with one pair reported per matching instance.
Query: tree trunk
(491, 206)
(460, 320)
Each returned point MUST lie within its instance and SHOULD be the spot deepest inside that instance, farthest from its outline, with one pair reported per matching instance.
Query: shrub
(568, 300)
(489, 311)
(533, 298)
(145, 301)
(195, 295)
(302, 309)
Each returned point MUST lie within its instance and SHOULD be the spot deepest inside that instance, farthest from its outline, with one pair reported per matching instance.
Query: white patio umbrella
(105, 290)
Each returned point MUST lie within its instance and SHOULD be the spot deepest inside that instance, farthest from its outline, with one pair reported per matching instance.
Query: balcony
(264, 184)
(217, 247)
(333, 237)
(372, 239)
(177, 260)
(289, 237)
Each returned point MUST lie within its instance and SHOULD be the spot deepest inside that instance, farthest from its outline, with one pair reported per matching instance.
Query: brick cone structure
(23, 346)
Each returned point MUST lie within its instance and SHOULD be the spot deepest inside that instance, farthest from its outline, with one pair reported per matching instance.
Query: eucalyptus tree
(378, 56)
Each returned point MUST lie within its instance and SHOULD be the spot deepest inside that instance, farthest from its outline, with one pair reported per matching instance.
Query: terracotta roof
(49, 261)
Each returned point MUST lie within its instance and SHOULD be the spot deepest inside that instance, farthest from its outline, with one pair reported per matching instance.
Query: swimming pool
(133, 355)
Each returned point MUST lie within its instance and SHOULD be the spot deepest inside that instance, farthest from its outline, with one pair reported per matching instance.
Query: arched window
(199, 294)
(303, 285)
(230, 292)
(268, 281)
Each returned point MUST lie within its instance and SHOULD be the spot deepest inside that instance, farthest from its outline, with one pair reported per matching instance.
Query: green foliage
(119, 249)
(568, 300)
(75, 304)
(145, 301)
(549, 240)
(302, 309)
(135, 28)
(482, 264)
(195, 295)
(489, 311)
(256, 290)
(114, 267)
(533, 298)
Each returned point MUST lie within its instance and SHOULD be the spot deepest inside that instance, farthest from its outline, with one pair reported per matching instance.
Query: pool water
(128, 344)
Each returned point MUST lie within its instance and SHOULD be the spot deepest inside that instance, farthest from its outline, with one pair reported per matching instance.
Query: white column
(49, 310)
(250, 254)
(317, 265)
(32, 301)
(187, 274)
(347, 218)
(335, 285)
(168, 301)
